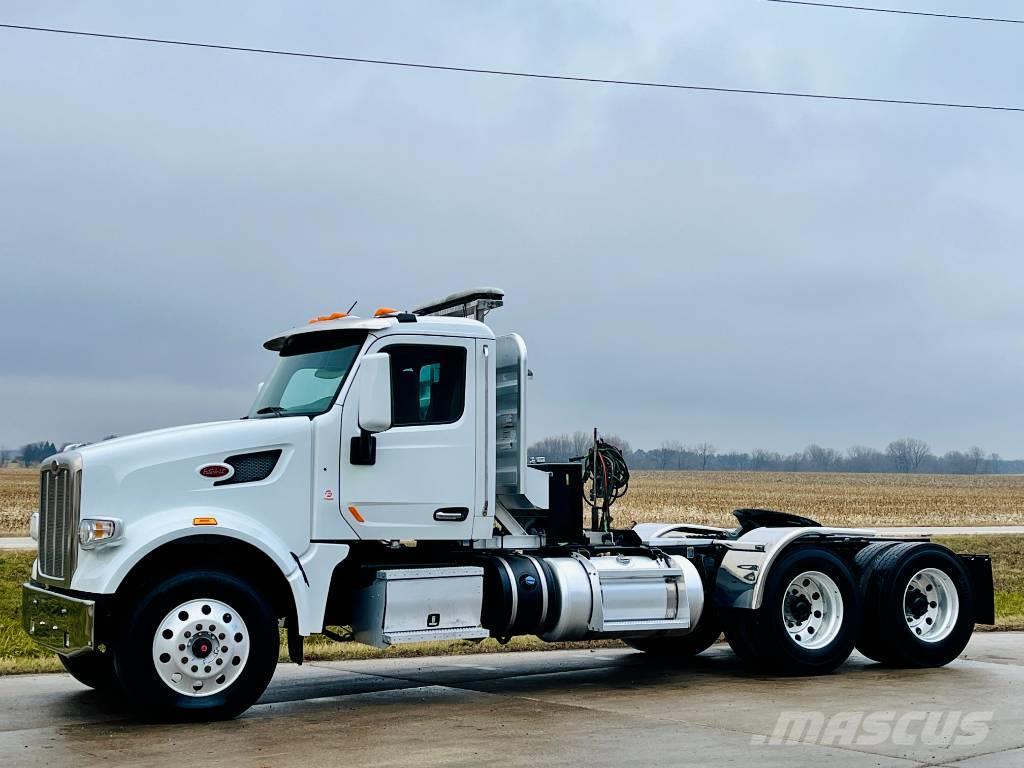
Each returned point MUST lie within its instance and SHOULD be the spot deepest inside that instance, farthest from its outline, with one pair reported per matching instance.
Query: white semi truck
(379, 483)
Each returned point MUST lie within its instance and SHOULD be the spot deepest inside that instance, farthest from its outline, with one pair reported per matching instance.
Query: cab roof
(380, 326)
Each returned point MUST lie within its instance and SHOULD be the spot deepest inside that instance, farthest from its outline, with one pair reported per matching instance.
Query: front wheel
(201, 646)
(808, 619)
(93, 669)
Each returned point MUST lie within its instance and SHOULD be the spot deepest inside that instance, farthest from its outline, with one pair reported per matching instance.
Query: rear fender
(742, 574)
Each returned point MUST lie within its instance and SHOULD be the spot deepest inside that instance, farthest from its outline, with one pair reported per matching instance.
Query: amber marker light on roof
(325, 318)
(385, 311)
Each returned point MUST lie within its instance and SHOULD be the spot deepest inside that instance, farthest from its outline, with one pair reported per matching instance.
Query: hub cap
(813, 610)
(931, 605)
(200, 647)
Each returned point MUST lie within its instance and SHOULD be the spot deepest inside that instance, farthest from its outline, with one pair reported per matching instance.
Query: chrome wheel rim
(931, 605)
(200, 648)
(812, 610)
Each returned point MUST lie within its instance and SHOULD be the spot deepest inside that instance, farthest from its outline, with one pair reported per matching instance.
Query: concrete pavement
(17, 542)
(604, 707)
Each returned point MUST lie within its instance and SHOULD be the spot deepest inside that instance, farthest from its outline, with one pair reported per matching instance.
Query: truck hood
(150, 472)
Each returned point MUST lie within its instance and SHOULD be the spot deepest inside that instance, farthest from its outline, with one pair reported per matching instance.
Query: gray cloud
(752, 271)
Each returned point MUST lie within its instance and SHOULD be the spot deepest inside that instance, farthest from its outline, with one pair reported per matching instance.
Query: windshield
(310, 370)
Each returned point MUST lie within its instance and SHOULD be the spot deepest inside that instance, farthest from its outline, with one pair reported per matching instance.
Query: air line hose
(604, 467)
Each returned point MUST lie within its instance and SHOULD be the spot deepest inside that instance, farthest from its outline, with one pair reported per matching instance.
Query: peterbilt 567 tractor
(379, 483)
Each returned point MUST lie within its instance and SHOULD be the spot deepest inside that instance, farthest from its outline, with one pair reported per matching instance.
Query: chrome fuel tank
(620, 596)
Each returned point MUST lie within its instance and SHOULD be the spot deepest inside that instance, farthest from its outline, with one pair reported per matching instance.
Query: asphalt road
(573, 708)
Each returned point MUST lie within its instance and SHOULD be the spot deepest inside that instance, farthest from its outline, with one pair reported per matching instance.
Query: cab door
(423, 482)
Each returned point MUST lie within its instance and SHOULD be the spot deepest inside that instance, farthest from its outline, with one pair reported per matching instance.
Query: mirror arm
(363, 449)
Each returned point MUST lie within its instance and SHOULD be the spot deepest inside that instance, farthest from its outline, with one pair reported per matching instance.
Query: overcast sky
(752, 271)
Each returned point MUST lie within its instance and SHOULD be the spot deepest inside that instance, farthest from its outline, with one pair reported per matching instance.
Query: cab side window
(428, 384)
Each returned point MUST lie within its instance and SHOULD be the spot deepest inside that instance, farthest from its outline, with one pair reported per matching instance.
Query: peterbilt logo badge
(216, 471)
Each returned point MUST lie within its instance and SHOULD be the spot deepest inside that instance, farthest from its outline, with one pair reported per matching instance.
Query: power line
(516, 73)
(900, 11)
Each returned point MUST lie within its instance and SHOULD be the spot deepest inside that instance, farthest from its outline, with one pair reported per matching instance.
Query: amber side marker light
(204, 521)
(325, 318)
(356, 515)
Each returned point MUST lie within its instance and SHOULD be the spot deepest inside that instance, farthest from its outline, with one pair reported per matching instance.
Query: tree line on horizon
(27, 455)
(906, 455)
(31, 454)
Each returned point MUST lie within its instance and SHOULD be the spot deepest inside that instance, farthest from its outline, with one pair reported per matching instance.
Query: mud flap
(295, 642)
(979, 569)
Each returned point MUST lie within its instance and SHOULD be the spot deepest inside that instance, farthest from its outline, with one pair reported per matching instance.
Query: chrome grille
(58, 521)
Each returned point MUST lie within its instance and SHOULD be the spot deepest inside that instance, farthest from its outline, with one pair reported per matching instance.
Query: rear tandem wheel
(920, 604)
(808, 619)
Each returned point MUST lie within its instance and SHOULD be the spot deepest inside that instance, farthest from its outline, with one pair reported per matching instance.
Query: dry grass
(833, 499)
(708, 498)
(19, 498)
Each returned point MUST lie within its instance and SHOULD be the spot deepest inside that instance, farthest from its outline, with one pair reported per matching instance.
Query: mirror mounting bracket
(363, 449)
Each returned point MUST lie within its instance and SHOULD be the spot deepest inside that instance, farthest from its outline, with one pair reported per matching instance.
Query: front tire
(93, 669)
(808, 619)
(202, 645)
(920, 606)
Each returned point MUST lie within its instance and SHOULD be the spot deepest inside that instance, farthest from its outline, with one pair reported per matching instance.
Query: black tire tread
(133, 660)
(679, 648)
(870, 641)
(880, 637)
(760, 640)
(740, 631)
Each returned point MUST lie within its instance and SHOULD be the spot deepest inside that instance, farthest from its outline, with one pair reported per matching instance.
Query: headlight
(94, 533)
(33, 526)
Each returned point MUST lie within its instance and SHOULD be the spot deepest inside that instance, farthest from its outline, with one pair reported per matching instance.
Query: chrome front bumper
(65, 625)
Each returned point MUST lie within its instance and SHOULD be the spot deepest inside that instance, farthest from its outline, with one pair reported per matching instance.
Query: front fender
(101, 571)
(308, 573)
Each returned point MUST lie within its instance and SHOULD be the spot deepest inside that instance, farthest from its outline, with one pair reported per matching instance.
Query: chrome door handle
(451, 514)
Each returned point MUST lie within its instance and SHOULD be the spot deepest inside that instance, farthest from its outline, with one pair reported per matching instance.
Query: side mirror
(375, 393)
(374, 406)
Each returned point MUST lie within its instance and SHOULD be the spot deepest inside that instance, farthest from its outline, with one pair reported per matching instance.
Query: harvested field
(708, 498)
(19, 498)
(831, 498)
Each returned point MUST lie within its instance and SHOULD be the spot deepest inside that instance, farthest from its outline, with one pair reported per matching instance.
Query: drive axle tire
(870, 645)
(808, 619)
(682, 647)
(202, 645)
(920, 606)
(93, 669)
